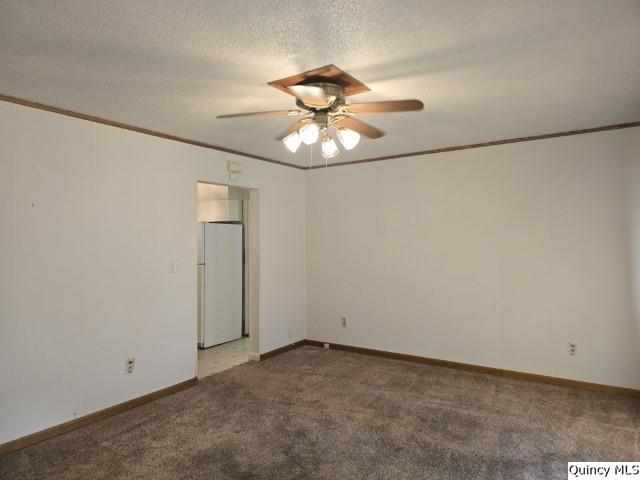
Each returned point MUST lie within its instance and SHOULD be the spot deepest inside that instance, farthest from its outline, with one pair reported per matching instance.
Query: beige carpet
(324, 414)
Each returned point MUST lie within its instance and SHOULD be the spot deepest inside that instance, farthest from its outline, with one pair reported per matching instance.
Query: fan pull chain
(326, 167)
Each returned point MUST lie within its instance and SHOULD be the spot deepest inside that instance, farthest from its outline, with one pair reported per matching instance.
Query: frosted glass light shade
(348, 138)
(329, 148)
(292, 142)
(309, 133)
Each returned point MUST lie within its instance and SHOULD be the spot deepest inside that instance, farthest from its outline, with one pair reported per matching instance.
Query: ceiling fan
(321, 97)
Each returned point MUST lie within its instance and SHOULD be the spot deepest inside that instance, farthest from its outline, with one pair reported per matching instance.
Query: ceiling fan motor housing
(321, 118)
(333, 91)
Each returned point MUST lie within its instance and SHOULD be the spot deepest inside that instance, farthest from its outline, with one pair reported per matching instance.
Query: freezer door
(222, 283)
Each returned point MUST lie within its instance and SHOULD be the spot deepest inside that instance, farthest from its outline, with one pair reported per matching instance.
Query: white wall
(494, 256)
(90, 216)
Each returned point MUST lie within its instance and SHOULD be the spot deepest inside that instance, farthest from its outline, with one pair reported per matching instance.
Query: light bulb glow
(329, 147)
(292, 142)
(309, 133)
(348, 138)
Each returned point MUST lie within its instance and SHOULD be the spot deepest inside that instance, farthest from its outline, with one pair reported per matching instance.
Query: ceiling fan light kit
(292, 142)
(309, 133)
(329, 147)
(348, 138)
(320, 94)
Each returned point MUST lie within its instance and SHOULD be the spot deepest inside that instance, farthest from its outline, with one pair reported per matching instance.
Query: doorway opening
(227, 316)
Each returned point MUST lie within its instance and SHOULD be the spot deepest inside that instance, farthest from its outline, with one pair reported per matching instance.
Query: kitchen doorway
(227, 272)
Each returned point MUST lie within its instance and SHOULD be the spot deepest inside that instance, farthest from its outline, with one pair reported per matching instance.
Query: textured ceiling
(486, 70)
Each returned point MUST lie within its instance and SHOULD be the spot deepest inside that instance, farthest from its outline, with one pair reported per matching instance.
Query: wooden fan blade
(328, 73)
(256, 114)
(382, 107)
(359, 126)
(310, 95)
(297, 125)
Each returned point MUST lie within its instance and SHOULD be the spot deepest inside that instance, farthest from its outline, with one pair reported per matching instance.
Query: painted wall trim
(76, 423)
(56, 430)
(492, 143)
(498, 372)
(104, 121)
(286, 348)
(166, 136)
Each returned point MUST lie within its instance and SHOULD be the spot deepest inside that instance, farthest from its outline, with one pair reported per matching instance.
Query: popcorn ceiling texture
(485, 70)
(323, 414)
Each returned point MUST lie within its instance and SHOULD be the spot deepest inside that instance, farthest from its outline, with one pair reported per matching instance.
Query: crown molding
(492, 143)
(166, 136)
(146, 131)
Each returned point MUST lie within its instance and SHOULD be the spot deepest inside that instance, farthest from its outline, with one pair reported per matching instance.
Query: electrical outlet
(573, 347)
(129, 365)
(343, 321)
(172, 266)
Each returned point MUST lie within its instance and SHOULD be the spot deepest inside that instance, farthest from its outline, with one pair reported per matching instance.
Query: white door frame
(253, 272)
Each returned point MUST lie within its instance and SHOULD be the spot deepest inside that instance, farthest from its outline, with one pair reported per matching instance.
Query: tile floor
(216, 359)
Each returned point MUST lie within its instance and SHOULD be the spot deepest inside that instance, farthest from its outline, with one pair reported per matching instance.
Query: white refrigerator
(220, 277)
